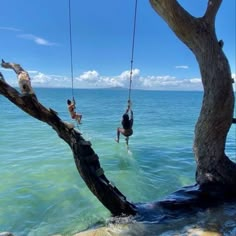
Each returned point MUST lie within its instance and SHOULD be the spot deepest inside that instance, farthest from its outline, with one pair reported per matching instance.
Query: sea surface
(42, 193)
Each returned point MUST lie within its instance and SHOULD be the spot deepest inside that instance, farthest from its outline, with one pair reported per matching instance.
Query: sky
(36, 34)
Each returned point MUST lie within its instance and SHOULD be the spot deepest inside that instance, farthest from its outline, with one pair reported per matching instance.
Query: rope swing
(127, 121)
(72, 104)
(71, 53)
(132, 52)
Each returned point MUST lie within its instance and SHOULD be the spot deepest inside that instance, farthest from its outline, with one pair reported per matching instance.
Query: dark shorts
(128, 132)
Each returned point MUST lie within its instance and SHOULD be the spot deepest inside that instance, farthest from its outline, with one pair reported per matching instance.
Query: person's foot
(79, 120)
(117, 140)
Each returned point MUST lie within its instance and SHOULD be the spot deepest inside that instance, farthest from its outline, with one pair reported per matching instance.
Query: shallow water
(41, 192)
(212, 222)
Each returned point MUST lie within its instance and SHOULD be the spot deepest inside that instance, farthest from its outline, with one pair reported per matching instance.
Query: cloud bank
(92, 79)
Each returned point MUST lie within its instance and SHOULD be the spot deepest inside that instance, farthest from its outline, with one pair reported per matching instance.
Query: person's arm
(131, 117)
(131, 114)
(74, 103)
(128, 107)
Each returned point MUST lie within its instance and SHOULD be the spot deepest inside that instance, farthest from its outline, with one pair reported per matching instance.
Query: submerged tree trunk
(213, 166)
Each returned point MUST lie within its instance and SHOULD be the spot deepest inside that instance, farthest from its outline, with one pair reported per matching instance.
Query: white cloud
(10, 29)
(169, 83)
(89, 76)
(36, 39)
(196, 80)
(182, 67)
(39, 79)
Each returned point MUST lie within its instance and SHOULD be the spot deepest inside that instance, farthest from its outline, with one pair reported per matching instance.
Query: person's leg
(127, 140)
(78, 118)
(119, 130)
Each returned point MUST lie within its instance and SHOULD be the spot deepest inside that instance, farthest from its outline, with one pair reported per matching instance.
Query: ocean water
(42, 193)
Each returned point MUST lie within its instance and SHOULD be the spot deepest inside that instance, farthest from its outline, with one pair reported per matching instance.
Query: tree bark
(213, 166)
(86, 160)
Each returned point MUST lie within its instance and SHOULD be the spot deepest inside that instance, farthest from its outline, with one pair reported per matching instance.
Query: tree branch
(16, 67)
(211, 11)
(178, 19)
(23, 77)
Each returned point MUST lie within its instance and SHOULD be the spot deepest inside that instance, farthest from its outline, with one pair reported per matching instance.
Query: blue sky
(36, 35)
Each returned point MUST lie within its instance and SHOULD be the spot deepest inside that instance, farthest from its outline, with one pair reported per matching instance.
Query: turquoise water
(41, 192)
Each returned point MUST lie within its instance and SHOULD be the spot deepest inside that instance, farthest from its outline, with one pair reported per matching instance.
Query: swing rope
(132, 51)
(131, 63)
(71, 53)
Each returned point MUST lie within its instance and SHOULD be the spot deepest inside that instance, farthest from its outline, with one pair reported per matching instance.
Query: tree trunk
(213, 166)
(86, 160)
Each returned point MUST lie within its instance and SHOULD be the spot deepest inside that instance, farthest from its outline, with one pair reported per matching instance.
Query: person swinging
(127, 124)
(73, 114)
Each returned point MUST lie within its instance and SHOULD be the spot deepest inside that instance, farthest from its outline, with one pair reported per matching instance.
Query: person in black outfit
(127, 124)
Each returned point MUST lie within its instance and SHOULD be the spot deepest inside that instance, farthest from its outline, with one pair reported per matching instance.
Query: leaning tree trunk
(86, 160)
(213, 166)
